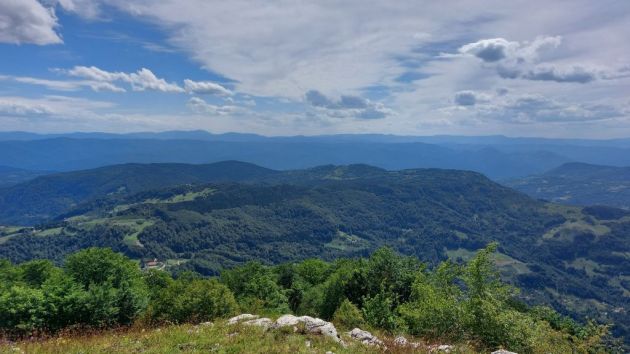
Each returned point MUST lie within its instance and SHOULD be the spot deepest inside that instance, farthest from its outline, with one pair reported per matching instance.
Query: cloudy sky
(519, 68)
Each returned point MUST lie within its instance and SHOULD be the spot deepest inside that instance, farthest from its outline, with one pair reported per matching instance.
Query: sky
(406, 67)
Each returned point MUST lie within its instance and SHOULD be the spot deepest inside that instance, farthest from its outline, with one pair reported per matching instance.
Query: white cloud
(206, 87)
(200, 106)
(65, 85)
(531, 108)
(143, 79)
(27, 21)
(347, 106)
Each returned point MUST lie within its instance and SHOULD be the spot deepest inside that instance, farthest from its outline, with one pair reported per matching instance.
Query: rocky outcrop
(310, 324)
(240, 318)
(441, 348)
(319, 326)
(502, 351)
(287, 320)
(260, 322)
(365, 337)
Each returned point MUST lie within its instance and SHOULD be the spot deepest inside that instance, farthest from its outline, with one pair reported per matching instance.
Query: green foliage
(256, 288)
(196, 300)
(386, 292)
(117, 292)
(378, 312)
(434, 308)
(348, 316)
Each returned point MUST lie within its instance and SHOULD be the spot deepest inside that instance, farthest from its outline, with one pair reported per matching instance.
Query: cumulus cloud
(570, 74)
(465, 98)
(499, 49)
(200, 106)
(347, 106)
(142, 80)
(521, 60)
(27, 21)
(532, 108)
(206, 87)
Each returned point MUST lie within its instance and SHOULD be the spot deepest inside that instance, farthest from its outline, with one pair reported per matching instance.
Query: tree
(117, 291)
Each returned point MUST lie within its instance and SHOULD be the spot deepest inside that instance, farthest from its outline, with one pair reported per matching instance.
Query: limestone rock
(260, 322)
(364, 337)
(401, 341)
(319, 326)
(441, 348)
(244, 317)
(287, 320)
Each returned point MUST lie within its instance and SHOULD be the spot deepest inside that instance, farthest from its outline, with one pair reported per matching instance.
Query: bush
(194, 300)
(348, 316)
(256, 288)
(117, 292)
(378, 312)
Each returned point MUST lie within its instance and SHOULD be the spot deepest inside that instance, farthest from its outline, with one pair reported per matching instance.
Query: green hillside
(48, 196)
(579, 184)
(573, 259)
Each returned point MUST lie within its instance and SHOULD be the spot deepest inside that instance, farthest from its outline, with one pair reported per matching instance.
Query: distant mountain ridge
(66, 154)
(579, 184)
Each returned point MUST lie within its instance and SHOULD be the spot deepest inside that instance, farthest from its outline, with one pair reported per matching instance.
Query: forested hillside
(580, 184)
(49, 196)
(573, 259)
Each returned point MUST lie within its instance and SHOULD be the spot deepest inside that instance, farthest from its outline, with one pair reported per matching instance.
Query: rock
(444, 348)
(246, 316)
(287, 320)
(319, 326)
(364, 337)
(308, 343)
(206, 324)
(502, 351)
(401, 341)
(329, 352)
(260, 322)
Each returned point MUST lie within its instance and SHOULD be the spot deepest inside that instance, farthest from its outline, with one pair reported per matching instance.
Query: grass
(505, 263)
(217, 338)
(346, 242)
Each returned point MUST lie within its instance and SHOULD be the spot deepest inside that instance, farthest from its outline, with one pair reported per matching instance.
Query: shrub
(348, 316)
(195, 300)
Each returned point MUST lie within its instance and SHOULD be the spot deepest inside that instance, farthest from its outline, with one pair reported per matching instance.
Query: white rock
(287, 320)
(401, 341)
(445, 348)
(319, 326)
(502, 351)
(206, 324)
(246, 316)
(260, 322)
(364, 337)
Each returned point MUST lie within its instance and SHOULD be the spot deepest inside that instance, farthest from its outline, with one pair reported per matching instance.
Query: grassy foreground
(217, 338)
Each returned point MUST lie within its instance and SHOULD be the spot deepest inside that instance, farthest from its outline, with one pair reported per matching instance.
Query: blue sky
(519, 68)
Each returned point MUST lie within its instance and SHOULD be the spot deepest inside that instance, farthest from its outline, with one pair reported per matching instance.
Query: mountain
(572, 258)
(579, 184)
(10, 176)
(66, 154)
(48, 196)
